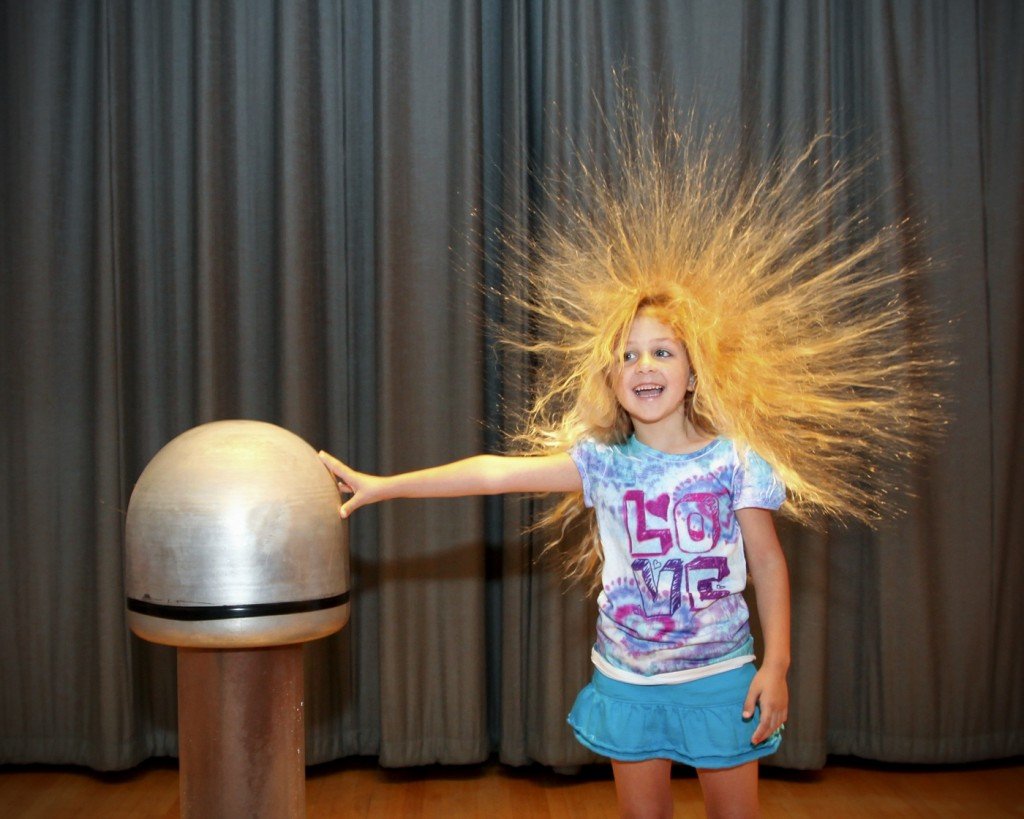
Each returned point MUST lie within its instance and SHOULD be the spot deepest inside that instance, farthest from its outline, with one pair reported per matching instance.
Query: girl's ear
(692, 385)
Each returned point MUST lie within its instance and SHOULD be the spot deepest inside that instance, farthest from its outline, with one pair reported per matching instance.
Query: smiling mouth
(648, 391)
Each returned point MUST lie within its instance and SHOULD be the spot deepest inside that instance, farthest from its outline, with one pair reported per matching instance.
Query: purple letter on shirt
(644, 541)
(716, 569)
(660, 586)
(698, 522)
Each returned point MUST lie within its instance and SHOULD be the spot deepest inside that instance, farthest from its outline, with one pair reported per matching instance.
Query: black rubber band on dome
(197, 613)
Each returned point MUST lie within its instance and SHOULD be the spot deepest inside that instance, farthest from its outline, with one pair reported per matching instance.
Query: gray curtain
(286, 211)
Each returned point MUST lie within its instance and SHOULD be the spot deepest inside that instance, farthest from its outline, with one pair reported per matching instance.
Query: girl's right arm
(479, 475)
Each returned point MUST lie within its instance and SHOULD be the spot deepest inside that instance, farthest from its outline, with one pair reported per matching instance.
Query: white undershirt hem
(669, 677)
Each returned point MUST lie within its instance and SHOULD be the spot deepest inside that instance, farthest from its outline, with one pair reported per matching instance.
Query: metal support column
(241, 733)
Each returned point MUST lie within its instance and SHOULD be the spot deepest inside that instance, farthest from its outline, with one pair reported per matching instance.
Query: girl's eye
(629, 355)
(663, 353)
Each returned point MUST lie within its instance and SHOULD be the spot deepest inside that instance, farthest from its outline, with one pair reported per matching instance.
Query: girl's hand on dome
(363, 488)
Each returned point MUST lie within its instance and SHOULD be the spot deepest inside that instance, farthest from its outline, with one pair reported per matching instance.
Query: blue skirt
(698, 723)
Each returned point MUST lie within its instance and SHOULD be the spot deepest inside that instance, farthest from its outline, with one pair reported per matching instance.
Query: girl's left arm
(767, 566)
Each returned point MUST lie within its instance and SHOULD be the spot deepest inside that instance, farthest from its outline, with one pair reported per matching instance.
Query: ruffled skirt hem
(698, 723)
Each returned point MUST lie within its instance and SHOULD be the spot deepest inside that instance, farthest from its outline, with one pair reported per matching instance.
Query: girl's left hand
(769, 690)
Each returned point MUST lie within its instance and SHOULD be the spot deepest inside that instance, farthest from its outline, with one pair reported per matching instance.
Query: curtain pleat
(287, 211)
(1001, 112)
(431, 553)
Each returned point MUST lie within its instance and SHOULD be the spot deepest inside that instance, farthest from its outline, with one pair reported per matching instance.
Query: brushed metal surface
(241, 745)
(236, 513)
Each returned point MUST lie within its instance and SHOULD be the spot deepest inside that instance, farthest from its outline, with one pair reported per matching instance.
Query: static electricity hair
(801, 324)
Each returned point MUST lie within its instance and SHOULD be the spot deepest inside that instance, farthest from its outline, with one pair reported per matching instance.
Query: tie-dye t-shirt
(674, 568)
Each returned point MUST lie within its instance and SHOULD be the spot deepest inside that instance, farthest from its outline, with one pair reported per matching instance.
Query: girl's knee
(644, 789)
(730, 793)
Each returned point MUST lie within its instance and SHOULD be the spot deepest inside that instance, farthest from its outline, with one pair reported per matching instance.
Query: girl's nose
(647, 361)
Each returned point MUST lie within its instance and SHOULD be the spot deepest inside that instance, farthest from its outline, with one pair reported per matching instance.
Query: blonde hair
(807, 340)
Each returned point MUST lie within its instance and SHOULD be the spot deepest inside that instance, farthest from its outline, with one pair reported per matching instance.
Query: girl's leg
(730, 793)
(644, 789)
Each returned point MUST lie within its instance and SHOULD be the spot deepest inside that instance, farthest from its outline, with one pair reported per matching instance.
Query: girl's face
(653, 378)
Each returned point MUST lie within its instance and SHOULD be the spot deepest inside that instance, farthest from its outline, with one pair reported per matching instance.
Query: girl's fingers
(332, 463)
(750, 702)
(769, 724)
(350, 506)
(342, 474)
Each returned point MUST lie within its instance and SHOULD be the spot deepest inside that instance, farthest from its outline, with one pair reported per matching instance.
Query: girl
(703, 340)
(681, 514)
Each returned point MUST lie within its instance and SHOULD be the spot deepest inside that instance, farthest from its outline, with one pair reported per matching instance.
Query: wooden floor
(846, 788)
